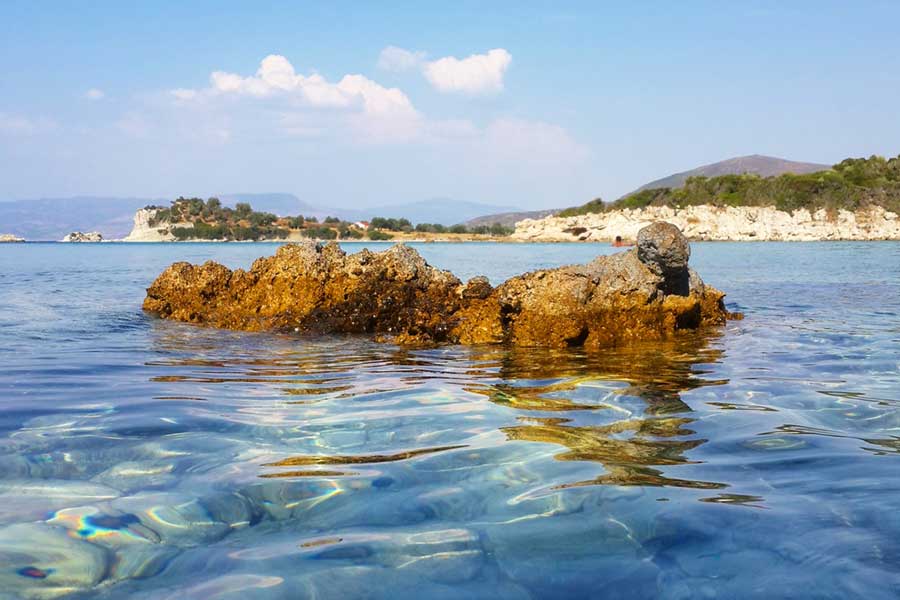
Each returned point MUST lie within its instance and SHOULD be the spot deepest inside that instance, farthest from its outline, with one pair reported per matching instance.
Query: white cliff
(7, 238)
(763, 223)
(146, 230)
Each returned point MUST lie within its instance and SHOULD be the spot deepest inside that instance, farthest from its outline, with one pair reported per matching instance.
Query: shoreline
(447, 241)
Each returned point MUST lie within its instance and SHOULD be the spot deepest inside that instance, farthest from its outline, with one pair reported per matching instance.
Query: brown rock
(395, 294)
(477, 288)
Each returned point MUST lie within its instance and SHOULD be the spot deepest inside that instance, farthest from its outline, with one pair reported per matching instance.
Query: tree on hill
(852, 184)
(242, 210)
(390, 224)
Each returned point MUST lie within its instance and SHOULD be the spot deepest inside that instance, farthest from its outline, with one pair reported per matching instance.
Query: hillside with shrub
(852, 184)
(197, 219)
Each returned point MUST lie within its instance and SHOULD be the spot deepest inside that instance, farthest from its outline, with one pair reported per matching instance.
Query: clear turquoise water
(148, 459)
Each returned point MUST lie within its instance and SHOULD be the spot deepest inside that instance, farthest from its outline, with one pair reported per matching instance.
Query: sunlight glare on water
(150, 459)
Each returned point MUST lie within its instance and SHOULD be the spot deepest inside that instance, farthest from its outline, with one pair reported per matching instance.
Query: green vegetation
(212, 221)
(391, 224)
(431, 228)
(196, 219)
(379, 235)
(495, 229)
(852, 184)
(320, 233)
(403, 225)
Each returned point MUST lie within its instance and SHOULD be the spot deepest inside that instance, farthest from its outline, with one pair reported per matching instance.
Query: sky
(522, 104)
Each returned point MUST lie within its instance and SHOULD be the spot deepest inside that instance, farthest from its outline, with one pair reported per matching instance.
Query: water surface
(148, 459)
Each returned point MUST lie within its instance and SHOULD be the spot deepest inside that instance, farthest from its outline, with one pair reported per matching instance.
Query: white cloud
(94, 94)
(476, 74)
(355, 105)
(276, 77)
(277, 102)
(397, 59)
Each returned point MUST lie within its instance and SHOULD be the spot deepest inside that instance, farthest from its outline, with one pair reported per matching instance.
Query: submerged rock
(644, 293)
(39, 561)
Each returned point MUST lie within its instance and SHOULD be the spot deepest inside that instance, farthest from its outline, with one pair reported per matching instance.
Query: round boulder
(662, 247)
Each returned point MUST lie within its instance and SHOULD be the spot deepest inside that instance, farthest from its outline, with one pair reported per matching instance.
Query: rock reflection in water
(633, 439)
(634, 391)
(628, 448)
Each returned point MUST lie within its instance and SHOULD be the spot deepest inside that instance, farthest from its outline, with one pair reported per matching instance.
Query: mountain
(445, 211)
(764, 166)
(283, 205)
(510, 218)
(54, 218)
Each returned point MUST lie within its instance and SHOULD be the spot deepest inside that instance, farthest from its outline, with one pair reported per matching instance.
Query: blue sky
(577, 100)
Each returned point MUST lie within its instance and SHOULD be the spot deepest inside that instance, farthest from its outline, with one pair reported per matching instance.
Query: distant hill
(757, 164)
(54, 218)
(853, 184)
(509, 219)
(283, 205)
(444, 211)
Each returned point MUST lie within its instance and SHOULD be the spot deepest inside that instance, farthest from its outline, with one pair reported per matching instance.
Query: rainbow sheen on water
(150, 459)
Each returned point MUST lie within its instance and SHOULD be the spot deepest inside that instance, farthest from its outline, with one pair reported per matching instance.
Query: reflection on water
(295, 461)
(656, 374)
(540, 380)
(147, 459)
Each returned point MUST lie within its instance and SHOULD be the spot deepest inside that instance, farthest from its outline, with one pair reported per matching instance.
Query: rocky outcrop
(8, 238)
(762, 223)
(146, 229)
(645, 293)
(77, 236)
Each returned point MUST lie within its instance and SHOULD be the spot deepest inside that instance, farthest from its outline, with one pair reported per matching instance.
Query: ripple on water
(146, 459)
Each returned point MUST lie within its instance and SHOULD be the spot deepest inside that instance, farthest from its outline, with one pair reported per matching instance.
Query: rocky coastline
(710, 223)
(645, 293)
(9, 238)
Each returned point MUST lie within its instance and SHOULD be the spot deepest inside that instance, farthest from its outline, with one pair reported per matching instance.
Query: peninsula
(195, 219)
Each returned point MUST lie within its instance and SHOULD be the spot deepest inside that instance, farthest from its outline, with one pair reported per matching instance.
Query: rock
(644, 293)
(731, 223)
(662, 247)
(77, 236)
(477, 288)
(6, 238)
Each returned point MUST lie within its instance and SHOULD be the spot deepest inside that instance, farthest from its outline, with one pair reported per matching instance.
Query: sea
(147, 459)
